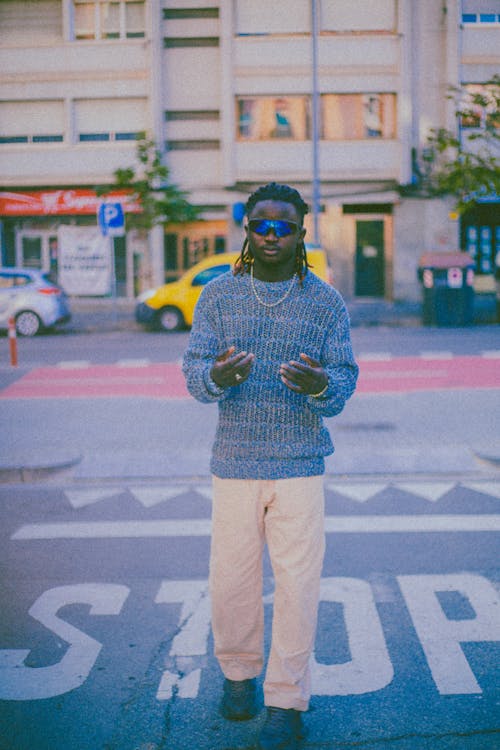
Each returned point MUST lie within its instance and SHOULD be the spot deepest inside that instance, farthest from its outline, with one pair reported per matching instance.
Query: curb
(32, 470)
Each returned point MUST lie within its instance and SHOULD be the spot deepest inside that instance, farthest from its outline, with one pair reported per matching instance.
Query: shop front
(57, 231)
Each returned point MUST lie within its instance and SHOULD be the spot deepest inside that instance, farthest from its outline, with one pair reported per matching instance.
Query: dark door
(370, 261)
(120, 248)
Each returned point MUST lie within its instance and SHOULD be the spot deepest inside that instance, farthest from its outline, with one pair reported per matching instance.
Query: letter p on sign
(111, 219)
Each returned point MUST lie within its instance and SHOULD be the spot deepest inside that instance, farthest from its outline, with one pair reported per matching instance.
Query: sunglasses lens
(264, 226)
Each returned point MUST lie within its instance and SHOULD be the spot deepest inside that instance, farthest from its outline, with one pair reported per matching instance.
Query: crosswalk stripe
(133, 362)
(375, 357)
(73, 364)
(81, 498)
(436, 355)
(201, 526)
(359, 492)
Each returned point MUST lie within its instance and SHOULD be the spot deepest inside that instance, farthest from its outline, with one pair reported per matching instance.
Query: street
(105, 638)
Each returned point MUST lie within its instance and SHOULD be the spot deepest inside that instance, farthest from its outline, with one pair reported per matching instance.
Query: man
(270, 343)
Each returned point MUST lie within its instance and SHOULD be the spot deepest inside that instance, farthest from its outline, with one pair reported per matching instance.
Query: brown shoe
(239, 701)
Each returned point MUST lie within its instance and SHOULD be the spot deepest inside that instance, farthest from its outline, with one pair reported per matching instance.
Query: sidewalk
(104, 314)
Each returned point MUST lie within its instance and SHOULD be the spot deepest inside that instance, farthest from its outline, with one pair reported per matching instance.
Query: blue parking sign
(111, 219)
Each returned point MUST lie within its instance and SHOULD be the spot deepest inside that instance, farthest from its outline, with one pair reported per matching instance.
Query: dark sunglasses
(280, 227)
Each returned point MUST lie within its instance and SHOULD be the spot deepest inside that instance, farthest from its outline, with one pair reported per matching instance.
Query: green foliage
(162, 202)
(463, 164)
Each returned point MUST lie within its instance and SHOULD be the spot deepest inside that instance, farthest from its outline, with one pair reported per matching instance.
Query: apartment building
(335, 97)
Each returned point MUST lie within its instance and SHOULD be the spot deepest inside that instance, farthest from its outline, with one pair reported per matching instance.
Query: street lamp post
(315, 124)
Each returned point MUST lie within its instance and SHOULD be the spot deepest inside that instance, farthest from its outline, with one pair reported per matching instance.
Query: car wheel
(170, 319)
(28, 323)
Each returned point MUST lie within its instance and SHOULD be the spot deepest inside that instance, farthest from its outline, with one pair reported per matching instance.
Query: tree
(162, 202)
(464, 164)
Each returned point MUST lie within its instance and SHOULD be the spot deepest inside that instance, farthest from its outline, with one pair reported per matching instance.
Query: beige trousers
(288, 514)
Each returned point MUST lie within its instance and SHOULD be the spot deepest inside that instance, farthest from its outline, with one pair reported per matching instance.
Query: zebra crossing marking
(432, 491)
(360, 492)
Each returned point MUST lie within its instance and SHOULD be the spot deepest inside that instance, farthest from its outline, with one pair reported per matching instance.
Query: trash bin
(448, 288)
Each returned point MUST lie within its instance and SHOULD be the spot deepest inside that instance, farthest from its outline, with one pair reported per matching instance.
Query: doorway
(369, 277)
(37, 249)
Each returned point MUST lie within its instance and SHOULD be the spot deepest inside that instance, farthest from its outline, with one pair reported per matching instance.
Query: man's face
(274, 255)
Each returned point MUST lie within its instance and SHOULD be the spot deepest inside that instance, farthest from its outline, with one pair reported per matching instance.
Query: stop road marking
(368, 669)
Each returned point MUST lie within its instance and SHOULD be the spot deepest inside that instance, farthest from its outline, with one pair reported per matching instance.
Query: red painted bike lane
(165, 380)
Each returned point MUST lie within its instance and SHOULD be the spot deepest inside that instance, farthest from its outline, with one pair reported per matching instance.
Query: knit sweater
(265, 430)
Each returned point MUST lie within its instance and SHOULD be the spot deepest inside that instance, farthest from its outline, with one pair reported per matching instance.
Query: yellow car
(170, 307)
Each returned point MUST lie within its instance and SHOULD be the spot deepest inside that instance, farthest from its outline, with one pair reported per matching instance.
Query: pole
(315, 125)
(113, 281)
(13, 341)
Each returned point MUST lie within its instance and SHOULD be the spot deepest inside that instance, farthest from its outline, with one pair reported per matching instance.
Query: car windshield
(208, 274)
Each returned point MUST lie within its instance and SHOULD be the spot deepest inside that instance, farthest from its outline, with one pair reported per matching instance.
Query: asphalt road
(104, 638)
(105, 625)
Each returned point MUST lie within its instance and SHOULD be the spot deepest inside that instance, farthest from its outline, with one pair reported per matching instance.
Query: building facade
(335, 97)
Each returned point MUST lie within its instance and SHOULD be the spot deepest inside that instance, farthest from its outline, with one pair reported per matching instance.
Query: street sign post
(111, 219)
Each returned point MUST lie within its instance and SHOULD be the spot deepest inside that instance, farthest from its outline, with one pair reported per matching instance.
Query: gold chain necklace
(271, 304)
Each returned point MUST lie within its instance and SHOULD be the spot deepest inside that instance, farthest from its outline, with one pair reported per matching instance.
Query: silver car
(32, 299)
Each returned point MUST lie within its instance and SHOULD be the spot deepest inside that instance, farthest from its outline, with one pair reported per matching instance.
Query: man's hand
(304, 377)
(231, 369)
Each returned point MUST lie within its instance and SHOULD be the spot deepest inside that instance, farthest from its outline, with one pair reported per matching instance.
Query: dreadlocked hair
(286, 194)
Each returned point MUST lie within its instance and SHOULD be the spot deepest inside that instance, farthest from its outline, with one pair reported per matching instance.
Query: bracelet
(317, 395)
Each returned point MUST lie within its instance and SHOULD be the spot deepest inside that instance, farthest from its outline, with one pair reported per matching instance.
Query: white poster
(84, 261)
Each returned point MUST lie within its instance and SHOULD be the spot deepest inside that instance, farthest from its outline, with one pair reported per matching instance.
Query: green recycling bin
(447, 280)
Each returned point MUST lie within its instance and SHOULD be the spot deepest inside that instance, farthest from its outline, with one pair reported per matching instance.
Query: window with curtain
(30, 22)
(101, 19)
(31, 121)
(358, 116)
(266, 118)
(358, 15)
(110, 119)
(261, 17)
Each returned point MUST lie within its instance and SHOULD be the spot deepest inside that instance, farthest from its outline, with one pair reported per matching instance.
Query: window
(103, 120)
(479, 107)
(191, 114)
(481, 18)
(30, 22)
(480, 11)
(261, 17)
(6, 281)
(208, 274)
(358, 15)
(176, 13)
(191, 41)
(31, 121)
(100, 19)
(358, 116)
(272, 117)
(193, 145)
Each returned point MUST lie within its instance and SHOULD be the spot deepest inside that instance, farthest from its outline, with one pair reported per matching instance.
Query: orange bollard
(13, 341)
